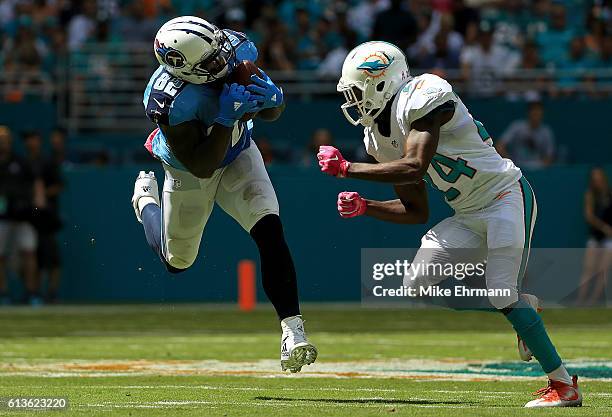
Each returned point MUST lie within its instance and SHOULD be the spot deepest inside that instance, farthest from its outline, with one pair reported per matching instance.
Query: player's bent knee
(180, 263)
(181, 256)
(174, 270)
(507, 298)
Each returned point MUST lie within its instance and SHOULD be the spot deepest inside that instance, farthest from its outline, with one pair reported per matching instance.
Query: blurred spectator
(346, 34)
(605, 53)
(57, 58)
(331, 66)
(605, 61)
(83, 25)
(442, 58)
(529, 143)
(134, 25)
(305, 41)
(530, 59)
(276, 51)
(439, 46)
(235, 20)
(484, 64)
(326, 37)
(361, 17)
(528, 88)
(58, 146)
(464, 16)
(319, 137)
(598, 255)
(596, 32)
(396, 25)
(25, 51)
(23, 58)
(46, 220)
(554, 42)
(508, 21)
(20, 193)
(538, 18)
(575, 66)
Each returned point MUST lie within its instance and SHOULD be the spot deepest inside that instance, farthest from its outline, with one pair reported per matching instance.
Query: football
(242, 75)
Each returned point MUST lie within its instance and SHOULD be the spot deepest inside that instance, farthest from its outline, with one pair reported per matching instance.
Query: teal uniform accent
(528, 209)
(457, 168)
(525, 320)
(528, 324)
(482, 132)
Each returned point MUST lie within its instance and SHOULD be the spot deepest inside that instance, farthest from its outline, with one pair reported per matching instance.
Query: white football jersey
(466, 166)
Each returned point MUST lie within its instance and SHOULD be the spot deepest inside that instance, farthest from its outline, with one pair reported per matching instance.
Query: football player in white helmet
(194, 50)
(419, 130)
(208, 155)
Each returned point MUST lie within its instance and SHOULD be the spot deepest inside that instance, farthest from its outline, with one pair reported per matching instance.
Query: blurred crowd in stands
(30, 188)
(480, 40)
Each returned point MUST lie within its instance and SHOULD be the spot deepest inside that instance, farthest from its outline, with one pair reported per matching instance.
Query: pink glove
(332, 162)
(350, 204)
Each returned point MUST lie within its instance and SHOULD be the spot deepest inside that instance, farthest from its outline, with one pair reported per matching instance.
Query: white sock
(561, 374)
(143, 201)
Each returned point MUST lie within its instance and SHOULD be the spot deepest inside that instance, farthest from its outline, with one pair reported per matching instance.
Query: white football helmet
(371, 74)
(193, 50)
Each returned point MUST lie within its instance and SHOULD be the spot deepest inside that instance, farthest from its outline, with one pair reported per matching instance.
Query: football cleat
(145, 186)
(558, 394)
(296, 351)
(524, 351)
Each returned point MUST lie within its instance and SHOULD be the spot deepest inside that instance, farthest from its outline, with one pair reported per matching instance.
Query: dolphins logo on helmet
(376, 64)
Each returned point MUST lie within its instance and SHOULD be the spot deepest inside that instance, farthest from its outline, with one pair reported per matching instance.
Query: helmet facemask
(369, 100)
(216, 65)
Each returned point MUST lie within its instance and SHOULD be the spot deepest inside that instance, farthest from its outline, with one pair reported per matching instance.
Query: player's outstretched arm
(410, 208)
(421, 145)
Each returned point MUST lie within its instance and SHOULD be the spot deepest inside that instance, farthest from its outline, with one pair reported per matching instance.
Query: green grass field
(209, 361)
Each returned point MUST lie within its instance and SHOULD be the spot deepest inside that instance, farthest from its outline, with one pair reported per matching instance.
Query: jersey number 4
(450, 170)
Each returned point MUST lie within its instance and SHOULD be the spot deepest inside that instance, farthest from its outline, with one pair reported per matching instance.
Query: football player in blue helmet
(209, 157)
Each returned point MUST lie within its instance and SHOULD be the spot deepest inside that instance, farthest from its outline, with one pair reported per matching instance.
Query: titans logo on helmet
(376, 64)
(169, 55)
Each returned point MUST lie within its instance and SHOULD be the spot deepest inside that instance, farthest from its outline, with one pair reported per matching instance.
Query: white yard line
(425, 370)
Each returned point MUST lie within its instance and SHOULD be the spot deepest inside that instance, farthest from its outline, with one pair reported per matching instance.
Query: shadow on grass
(389, 401)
